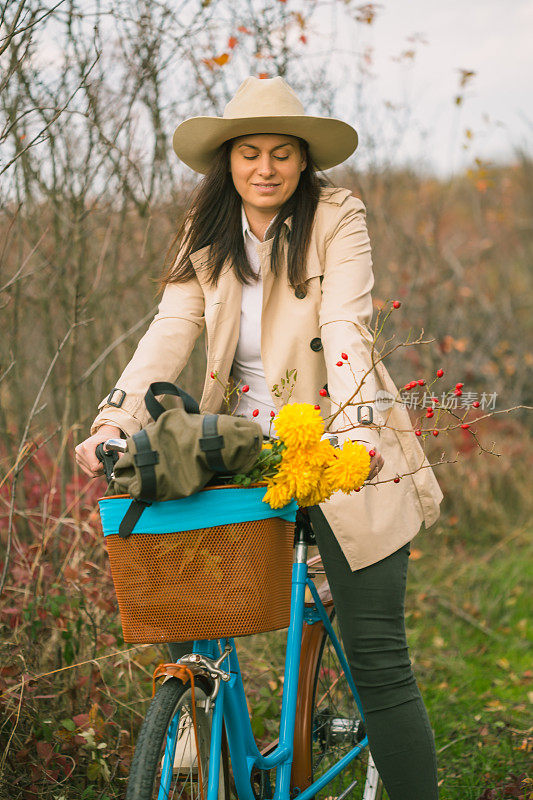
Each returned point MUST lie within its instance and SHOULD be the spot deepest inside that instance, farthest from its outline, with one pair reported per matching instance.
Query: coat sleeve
(161, 355)
(345, 314)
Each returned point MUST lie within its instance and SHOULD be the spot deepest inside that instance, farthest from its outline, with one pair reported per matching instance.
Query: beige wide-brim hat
(263, 105)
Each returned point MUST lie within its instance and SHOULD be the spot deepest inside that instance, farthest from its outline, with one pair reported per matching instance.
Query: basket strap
(131, 517)
(212, 443)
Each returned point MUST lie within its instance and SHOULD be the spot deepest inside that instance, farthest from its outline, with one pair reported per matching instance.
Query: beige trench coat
(307, 334)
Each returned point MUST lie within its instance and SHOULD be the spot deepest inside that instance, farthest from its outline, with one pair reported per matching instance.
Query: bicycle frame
(230, 706)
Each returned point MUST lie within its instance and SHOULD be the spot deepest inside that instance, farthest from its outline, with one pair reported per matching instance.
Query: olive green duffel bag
(180, 452)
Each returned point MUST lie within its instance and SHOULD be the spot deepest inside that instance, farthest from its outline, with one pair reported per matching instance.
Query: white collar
(246, 225)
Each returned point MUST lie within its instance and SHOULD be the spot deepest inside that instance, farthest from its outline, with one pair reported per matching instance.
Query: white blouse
(247, 365)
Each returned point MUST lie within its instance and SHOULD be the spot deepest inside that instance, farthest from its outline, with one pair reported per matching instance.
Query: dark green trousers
(370, 606)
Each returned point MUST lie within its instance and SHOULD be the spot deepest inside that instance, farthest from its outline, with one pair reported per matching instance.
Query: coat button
(316, 344)
(300, 293)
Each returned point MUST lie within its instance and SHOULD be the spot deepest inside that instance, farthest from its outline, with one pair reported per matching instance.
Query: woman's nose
(266, 166)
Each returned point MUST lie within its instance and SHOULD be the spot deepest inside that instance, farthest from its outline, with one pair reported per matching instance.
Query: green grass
(467, 624)
(469, 631)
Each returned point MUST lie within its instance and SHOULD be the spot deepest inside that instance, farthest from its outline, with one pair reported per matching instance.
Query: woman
(276, 266)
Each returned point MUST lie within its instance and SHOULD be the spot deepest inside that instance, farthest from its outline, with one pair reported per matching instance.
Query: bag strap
(212, 443)
(146, 459)
(154, 407)
(131, 517)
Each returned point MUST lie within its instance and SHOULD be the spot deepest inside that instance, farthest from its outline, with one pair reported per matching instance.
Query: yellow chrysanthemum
(277, 495)
(299, 425)
(351, 467)
(322, 490)
(320, 455)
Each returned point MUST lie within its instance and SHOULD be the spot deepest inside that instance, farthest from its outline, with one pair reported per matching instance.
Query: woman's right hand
(86, 451)
(376, 463)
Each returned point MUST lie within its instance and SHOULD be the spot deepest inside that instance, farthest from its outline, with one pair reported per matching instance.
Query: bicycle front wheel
(165, 762)
(329, 724)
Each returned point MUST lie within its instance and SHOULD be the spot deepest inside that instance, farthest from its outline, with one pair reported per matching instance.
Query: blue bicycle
(196, 740)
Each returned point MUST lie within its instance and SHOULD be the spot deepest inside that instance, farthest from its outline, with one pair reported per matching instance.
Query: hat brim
(196, 140)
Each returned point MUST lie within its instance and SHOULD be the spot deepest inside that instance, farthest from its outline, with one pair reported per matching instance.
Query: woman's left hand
(376, 463)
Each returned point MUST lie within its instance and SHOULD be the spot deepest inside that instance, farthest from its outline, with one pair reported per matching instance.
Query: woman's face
(266, 169)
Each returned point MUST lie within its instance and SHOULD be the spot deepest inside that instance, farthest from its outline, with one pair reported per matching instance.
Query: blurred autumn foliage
(90, 198)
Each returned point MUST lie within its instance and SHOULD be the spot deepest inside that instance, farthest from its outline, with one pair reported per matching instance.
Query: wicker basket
(227, 580)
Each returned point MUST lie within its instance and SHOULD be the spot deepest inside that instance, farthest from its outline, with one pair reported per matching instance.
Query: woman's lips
(266, 189)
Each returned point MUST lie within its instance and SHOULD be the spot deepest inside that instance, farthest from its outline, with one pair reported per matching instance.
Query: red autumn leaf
(70, 573)
(303, 39)
(81, 719)
(45, 751)
(232, 41)
(243, 29)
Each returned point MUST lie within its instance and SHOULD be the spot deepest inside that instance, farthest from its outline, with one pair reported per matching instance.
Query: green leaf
(68, 652)
(93, 771)
(69, 724)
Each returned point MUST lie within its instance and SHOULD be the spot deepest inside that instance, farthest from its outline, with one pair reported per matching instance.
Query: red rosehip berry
(465, 425)
(212, 374)
(440, 373)
(457, 392)
(344, 356)
(323, 393)
(421, 381)
(371, 453)
(412, 384)
(418, 433)
(435, 433)
(272, 414)
(459, 385)
(358, 489)
(255, 412)
(396, 304)
(407, 386)
(245, 388)
(339, 363)
(317, 408)
(429, 412)
(476, 403)
(435, 399)
(396, 479)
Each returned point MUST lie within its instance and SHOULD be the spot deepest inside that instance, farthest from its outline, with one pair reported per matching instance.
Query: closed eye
(280, 158)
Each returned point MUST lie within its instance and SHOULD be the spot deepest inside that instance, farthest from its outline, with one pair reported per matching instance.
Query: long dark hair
(214, 218)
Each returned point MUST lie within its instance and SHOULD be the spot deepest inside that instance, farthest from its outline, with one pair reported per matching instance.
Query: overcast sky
(493, 38)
